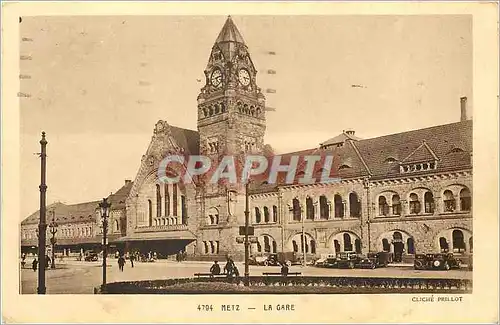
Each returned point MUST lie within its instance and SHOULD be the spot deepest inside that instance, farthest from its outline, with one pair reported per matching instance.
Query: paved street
(81, 277)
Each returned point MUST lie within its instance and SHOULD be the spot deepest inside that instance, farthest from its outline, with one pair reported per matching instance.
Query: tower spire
(229, 33)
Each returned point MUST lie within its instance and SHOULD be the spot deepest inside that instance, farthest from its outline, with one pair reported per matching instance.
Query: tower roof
(229, 33)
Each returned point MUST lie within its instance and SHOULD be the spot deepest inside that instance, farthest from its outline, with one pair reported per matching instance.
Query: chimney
(127, 181)
(463, 109)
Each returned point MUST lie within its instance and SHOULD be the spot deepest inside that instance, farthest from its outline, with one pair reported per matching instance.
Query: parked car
(374, 260)
(326, 260)
(347, 260)
(439, 261)
(257, 260)
(91, 257)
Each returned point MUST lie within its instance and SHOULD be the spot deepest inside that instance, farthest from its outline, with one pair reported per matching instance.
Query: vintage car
(91, 257)
(374, 260)
(258, 260)
(347, 260)
(439, 261)
(327, 260)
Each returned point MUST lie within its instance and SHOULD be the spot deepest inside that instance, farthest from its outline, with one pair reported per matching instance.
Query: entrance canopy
(168, 235)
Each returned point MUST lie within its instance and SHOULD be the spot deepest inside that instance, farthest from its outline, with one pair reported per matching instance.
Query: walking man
(132, 258)
(121, 263)
(35, 264)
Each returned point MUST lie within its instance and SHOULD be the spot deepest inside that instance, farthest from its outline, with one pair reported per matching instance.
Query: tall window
(449, 201)
(257, 215)
(339, 206)
(443, 245)
(336, 246)
(354, 205)
(150, 212)
(296, 209)
(347, 242)
(414, 204)
(470, 243)
(396, 205)
(183, 210)
(174, 199)
(465, 200)
(266, 214)
(383, 207)
(275, 213)
(309, 208)
(217, 247)
(274, 247)
(458, 241)
(410, 243)
(324, 211)
(212, 247)
(295, 246)
(158, 201)
(267, 245)
(259, 247)
(429, 202)
(357, 245)
(116, 226)
(167, 201)
(385, 245)
(205, 245)
(313, 247)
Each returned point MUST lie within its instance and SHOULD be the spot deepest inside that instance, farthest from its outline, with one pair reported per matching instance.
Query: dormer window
(418, 167)
(390, 160)
(456, 150)
(344, 166)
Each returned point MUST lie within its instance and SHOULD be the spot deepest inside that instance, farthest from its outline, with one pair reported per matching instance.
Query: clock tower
(231, 114)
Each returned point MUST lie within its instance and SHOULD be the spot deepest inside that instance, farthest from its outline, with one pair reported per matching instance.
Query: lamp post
(53, 230)
(42, 226)
(104, 206)
(247, 244)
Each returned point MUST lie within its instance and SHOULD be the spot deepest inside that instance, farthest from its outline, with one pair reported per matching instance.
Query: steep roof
(117, 199)
(341, 138)
(187, 139)
(450, 143)
(66, 213)
(229, 33)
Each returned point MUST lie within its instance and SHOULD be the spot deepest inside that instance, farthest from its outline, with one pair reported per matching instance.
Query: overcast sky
(99, 84)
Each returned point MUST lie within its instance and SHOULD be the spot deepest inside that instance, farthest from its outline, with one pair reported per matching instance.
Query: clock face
(244, 77)
(216, 78)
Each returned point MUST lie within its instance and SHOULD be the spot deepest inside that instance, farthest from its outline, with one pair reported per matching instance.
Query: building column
(344, 203)
(437, 205)
(457, 203)
(347, 208)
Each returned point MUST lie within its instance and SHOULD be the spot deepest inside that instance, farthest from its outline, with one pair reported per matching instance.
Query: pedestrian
(121, 263)
(215, 269)
(35, 264)
(23, 260)
(132, 258)
(284, 269)
(228, 268)
(235, 271)
(47, 261)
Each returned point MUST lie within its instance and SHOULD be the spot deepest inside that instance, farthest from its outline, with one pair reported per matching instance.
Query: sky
(98, 85)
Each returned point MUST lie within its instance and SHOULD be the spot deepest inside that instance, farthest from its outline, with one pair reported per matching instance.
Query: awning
(166, 235)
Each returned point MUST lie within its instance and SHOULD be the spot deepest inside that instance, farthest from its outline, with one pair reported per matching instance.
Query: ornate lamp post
(247, 244)
(53, 230)
(42, 226)
(104, 206)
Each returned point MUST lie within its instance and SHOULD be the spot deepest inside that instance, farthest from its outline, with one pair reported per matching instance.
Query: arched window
(458, 241)
(410, 243)
(150, 212)
(259, 248)
(347, 242)
(205, 245)
(470, 243)
(183, 210)
(357, 245)
(414, 204)
(295, 246)
(336, 246)
(313, 247)
(257, 215)
(167, 201)
(397, 236)
(217, 247)
(275, 213)
(383, 207)
(449, 201)
(267, 245)
(428, 202)
(339, 206)
(465, 200)
(396, 205)
(266, 214)
(158, 201)
(296, 210)
(309, 208)
(274, 247)
(443, 245)
(324, 211)
(354, 205)
(212, 247)
(385, 245)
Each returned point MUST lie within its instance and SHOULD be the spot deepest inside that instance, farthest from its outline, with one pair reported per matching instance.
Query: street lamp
(53, 230)
(42, 225)
(104, 206)
(247, 244)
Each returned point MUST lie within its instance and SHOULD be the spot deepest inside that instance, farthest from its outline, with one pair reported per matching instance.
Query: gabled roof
(422, 154)
(66, 213)
(117, 199)
(341, 138)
